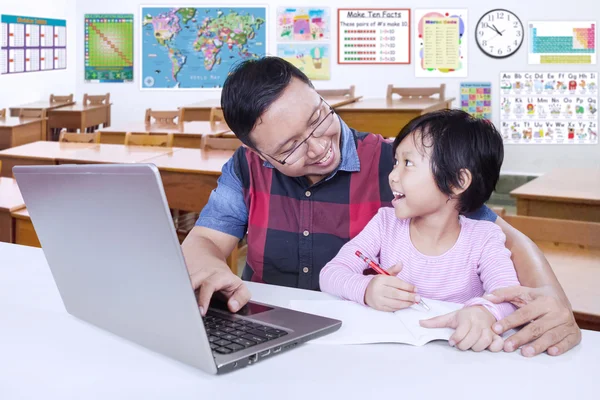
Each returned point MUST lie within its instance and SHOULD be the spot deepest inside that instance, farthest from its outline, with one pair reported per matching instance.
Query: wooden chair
(163, 117)
(2, 112)
(500, 211)
(61, 99)
(337, 92)
(23, 113)
(417, 93)
(144, 139)
(95, 100)
(74, 137)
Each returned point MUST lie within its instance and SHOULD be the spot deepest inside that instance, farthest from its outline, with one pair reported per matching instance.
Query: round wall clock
(499, 33)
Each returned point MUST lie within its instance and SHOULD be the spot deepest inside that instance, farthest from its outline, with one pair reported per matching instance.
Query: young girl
(447, 165)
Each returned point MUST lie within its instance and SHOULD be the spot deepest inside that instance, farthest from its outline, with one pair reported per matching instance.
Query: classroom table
(47, 353)
(16, 131)
(385, 117)
(200, 111)
(113, 154)
(37, 153)
(24, 233)
(78, 117)
(39, 105)
(10, 200)
(565, 193)
(188, 134)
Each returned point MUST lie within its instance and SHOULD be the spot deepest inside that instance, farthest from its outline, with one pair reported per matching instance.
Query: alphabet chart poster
(549, 107)
(441, 44)
(476, 99)
(374, 36)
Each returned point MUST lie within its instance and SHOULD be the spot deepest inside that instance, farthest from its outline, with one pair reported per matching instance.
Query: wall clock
(499, 33)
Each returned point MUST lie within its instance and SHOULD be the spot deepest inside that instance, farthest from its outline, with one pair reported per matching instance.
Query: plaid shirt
(295, 228)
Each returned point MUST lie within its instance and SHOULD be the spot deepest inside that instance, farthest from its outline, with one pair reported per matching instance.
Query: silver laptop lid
(109, 239)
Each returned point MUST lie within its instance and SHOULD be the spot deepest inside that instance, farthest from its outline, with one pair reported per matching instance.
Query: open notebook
(362, 325)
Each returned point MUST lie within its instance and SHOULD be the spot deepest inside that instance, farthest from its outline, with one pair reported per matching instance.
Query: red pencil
(382, 271)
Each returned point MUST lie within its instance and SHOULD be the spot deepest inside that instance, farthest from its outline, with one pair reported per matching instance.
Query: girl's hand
(390, 293)
(473, 329)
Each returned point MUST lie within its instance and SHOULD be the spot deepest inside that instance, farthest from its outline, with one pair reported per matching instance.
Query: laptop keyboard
(228, 336)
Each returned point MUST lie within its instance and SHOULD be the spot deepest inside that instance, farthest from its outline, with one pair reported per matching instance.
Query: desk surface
(193, 161)
(188, 128)
(394, 105)
(43, 150)
(574, 185)
(12, 122)
(44, 104)
(115, 153)
(333, 101)
(72, 359)
(10, 195)
(79, 108)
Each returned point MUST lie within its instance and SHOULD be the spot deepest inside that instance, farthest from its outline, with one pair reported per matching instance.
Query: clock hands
(497, 31)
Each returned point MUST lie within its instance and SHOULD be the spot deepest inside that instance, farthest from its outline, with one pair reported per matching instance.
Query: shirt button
(307, 194)
(305, 233)
(305, 270)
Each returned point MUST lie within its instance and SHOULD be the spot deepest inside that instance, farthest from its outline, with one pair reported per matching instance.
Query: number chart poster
(441, 43)
(374, 36)
(311, 58)
(303, 24)
(476, 99)
(549, 107)
(109, 48)
(562, 42)
(31, 44)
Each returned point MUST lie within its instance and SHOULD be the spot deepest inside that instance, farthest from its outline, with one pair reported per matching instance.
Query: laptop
(109, 239)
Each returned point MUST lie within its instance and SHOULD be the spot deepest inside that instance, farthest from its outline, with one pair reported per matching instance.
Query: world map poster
(195, 47)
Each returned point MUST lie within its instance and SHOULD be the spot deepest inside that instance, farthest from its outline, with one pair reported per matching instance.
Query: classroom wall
(371, 80)
(22, 88)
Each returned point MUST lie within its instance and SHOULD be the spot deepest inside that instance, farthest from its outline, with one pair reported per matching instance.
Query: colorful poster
(311, 58)
(303, 24)
(562, 42)
(31, 44)
(374, 36)
(549, 107)
(109, 48)
(476, 99)
(195, 47)
(441, 43)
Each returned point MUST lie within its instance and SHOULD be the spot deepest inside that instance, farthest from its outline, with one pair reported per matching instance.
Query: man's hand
(550, 322)
(212, 280)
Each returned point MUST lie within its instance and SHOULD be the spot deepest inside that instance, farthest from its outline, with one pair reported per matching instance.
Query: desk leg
(522, 207)
(6, 227)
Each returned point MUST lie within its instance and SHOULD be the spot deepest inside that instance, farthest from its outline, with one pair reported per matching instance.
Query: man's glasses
(300, 150)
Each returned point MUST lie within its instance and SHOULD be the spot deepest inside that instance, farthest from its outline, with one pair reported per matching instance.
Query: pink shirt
(478, 263)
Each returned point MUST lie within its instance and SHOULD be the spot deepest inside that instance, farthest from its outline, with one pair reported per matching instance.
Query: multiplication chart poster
(31, 44)
(562, 42)
(549, 107)
(476, 99)
(374, 36)
(441, 43)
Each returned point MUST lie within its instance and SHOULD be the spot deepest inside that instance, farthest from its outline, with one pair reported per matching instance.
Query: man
(305, 183)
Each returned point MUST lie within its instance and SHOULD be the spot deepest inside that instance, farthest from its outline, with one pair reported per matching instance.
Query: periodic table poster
(549, 107)
(374, 36)
(30, 44)
(562, 42)
(476, 99)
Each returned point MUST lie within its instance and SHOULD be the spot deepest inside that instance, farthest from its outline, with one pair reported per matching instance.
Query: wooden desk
(387, 118)
(37, 153)
(24, 233)
(39, 105)
(78, 117)
(566, 193)
(190, 175)
(112, 154)
(10, 200)
(201, 111)
(16, 131)
(187, 135)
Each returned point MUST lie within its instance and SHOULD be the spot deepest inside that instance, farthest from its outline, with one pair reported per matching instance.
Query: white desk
(46, 353)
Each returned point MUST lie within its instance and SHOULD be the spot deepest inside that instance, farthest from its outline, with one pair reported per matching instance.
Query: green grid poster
(109, 47)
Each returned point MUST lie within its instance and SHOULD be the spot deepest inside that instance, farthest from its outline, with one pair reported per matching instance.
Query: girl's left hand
(473, 329)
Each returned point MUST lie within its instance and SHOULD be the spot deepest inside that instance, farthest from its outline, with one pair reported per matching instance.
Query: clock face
(499, 33)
